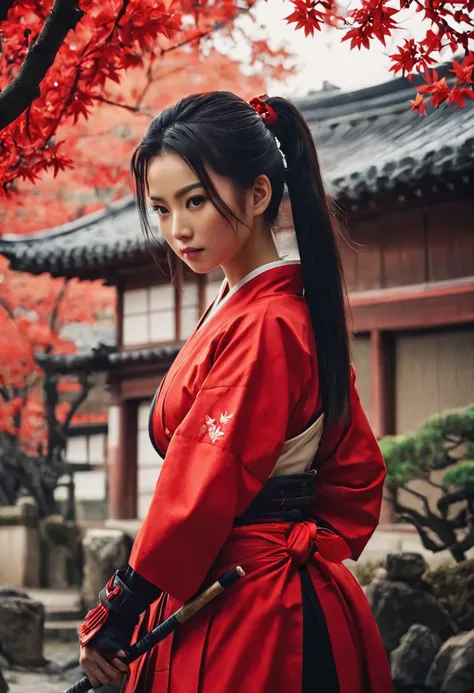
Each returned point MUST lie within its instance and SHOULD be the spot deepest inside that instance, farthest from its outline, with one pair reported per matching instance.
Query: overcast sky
(324, 57)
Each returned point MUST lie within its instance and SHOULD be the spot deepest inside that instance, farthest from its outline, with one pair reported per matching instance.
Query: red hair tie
(266, 112)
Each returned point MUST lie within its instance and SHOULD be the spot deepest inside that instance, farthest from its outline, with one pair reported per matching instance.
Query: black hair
(223, 132)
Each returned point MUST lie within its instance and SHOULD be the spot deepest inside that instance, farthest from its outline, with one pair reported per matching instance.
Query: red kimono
(244, 383)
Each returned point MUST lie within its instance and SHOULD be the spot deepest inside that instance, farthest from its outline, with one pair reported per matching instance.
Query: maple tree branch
(127, 107)
(87, 386)
(121, 13)
(54, 314)
(25, 87)
(216, 26)
(93, 49)
(7, 309)
(68, 100)
(149, 82)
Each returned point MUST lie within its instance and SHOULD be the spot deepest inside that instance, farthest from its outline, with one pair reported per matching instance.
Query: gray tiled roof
(107, 358)
(368, 142)
(92, 242)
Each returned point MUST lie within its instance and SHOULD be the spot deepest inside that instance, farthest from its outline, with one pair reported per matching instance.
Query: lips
(190, 252)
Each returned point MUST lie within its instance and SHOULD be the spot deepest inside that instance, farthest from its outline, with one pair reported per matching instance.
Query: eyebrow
(180, 193)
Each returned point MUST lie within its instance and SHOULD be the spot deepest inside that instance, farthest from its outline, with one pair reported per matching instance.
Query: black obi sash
(282, 499)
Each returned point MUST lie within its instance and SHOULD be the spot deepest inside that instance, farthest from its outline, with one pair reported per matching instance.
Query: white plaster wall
(211, 291)
(162, 297)
(190, 294)
(189, 318)
(148, 461)
(76, 450)
(135, 329)
(163, 326)
(88, 485)
(135, 301)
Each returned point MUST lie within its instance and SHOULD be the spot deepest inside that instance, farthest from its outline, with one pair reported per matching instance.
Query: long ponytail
(323, 277)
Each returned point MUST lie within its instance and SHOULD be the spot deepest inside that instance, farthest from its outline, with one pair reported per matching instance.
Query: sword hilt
(167, 627)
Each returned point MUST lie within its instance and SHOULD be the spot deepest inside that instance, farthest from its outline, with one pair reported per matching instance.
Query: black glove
(109, 627)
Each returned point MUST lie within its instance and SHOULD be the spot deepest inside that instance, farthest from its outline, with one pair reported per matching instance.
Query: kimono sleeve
(222, 453)
(349, 480)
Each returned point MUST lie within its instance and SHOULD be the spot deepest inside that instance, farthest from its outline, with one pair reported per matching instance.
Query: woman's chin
(203, 267)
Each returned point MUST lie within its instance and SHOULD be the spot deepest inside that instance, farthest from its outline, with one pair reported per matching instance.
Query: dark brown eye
(196, 201)
(160, 209)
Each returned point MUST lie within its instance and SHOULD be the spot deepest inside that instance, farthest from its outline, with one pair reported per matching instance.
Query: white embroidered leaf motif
(215, 431)
(216, 435)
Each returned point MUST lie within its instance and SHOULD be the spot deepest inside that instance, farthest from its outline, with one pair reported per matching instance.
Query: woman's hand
(101, 671)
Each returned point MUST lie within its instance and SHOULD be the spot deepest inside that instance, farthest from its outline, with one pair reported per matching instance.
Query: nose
(181, 230)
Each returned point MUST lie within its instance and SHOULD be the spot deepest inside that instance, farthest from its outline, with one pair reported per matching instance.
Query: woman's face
(188, 220)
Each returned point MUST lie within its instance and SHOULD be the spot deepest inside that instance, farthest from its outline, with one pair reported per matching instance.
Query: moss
(453, 587)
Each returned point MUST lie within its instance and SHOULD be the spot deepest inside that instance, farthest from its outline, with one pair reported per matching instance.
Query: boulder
(6, 591)
(104, 552)
(453, 668)
(405, 567)
(412, 659)
(21, 630)
(61, 552)
(397, 606)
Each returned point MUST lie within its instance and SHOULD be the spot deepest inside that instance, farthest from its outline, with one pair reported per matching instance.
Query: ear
(262, 194)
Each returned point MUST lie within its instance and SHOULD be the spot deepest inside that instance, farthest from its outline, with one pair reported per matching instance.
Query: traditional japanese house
(405, 185)
(87, 435)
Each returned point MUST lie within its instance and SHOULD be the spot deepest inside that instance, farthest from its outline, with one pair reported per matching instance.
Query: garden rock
(104, 552)
(407, 567)
(412, 659)
(21, 630)
(453, 668)
(397, 605)
(61, 550)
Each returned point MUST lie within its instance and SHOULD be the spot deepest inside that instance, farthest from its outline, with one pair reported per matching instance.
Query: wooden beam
(416, 307)
(382, 371)
(119, 313)
(140, 387)
(122, 460)
(382, 382)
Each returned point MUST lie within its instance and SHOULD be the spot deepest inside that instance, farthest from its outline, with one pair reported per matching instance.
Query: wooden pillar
(382, 371)
(382, 367)
(122, 459)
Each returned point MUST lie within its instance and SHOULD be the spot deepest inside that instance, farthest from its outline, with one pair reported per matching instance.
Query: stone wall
(19, 545)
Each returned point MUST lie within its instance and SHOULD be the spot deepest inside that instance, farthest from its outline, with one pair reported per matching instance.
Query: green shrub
(453, 587)
(365, 571)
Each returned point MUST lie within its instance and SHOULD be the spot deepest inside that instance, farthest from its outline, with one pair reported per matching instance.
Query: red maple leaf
(438, 89)
(459, 94)
(418, 105)
(306, 16)
(463, 71)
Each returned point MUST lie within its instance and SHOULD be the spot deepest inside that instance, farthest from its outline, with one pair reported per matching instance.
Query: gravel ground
(56, 677)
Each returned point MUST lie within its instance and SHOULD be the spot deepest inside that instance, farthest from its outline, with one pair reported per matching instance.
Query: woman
(270, 462)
